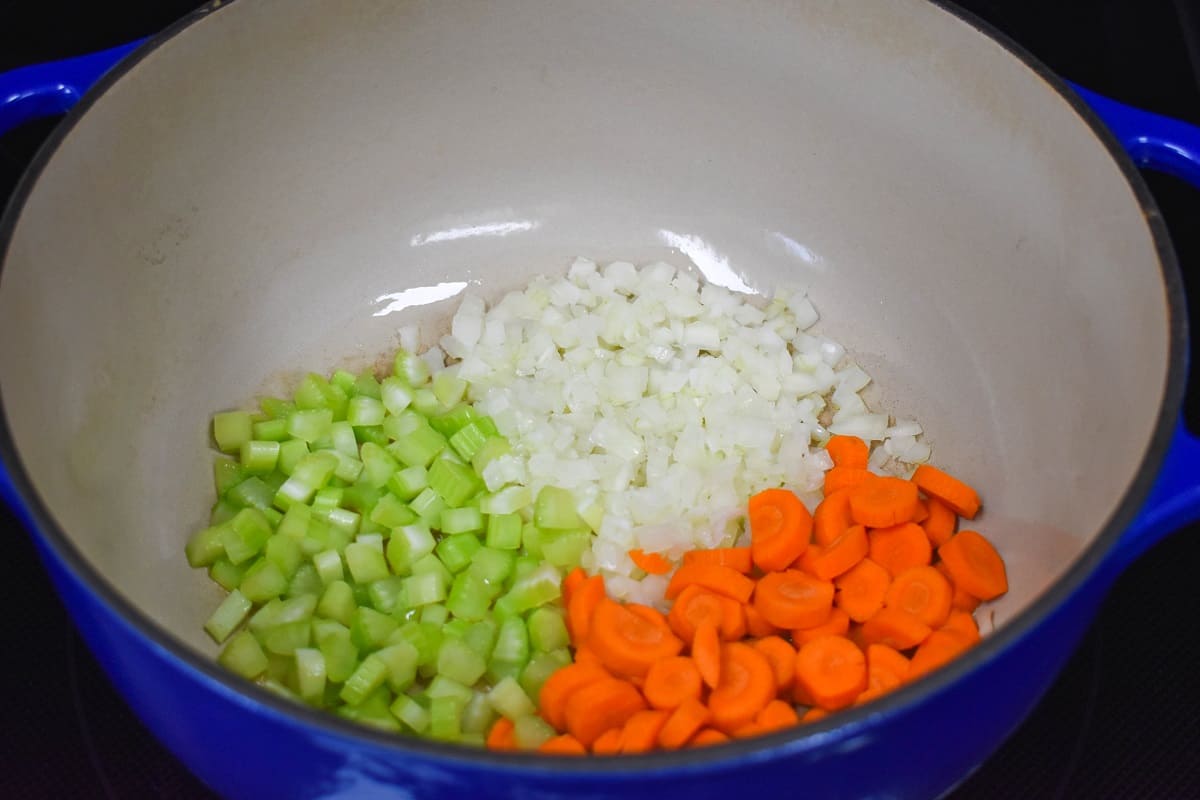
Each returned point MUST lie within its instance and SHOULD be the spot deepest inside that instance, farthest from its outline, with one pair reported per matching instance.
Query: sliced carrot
(950, 490)
(940, 524)
(813, 714)
(706, 652)
(975, 565)
(749, 731)
(747, 685)
(650, 563)
(860, 591)
(922, 513)
(562, 683)
(887, 668)
(608, 743)
(832, 517)
(896, 628)
(596, 707)
(832, 671)
(586, 655)
(838, 624)
(939, 648)
(848, 451)
(777, 715)
(500, 737)
(672, 680)
(571, 582)
(627, 643)
(840, 555)
(757, 625)
(963, 624)
(844, 478)
(960, 600)
(696, 604)
(651, 615)
(900, 547)
(782, 657)
(780, 529)
(923, 592)
(640, 733)
(736, 558)
(722, 580)
(683, 724)
(584, 600)
(793, 599)
(564, 745)
(707, 737)
(880, 502)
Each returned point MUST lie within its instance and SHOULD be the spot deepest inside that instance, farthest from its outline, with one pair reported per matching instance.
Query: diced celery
(415, 443)
(430, 563)
(555, 509)
(459, 662)
(369, 676)
(395, 395)
(310, 673)
(295, 521)
(492, 448)
(434, 613)
(492, 566)
(231, 429)
(547, 630)
(205, 546)
(407, 544)
(469, 598)
(468, 440)
(531, 540)
(425, 637)
(481, 637)
(512, 643)
(366, 384)
(425, 589)
(290, 454)
(531, 732)
(408, 482)
(373, 434)
(445, 686)
(363, 411)
(410, 368)
(428, 505)
(510, 700)
(279, 670)
(263, 581)
(345, 520)
(366, 563)
(221, 512)
(478, 715)
(361, 498)
(565, 549)
(523, 566)
(259, 457)
(504, 531)
(370, 629)
(392, 512)
(309, 425)
(461, 520)
(452, 421)
(343, 380)
(540, 668)
(244, 656)
(455, 483)
(285, 638)
(228, 615)
(388, 594)
(228, 574)
(425, 402)
(593, 515)
(284, 553)
(341, 656)
(227, 473)
(411, 713)
(508, 500)
(504, 607)
(329, 566)
(455, 628)
(275, 408)
(378, 465)
(337, 602)
(250, 493)
(456, 551)
(537, 588)
(401, 661)
(445, 718)
(326, 500)
(310, 393)
(448, 387)
(342, 436)
(305, 581)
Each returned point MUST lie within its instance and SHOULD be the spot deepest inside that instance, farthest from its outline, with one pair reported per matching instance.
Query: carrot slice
(881, 502)
(747, 685)
(939, 648)
(596, 707)
(975, 565)
(650, 563)
(922, 512)
(940, 524)
(756, 624)
(848, 451)
(782, 657)
(900, 547)
(950, 490)
(860, 591)
(813, 714)
(696, 605)
(963, 624)
(838, 624)
(671, 681)
(749, 730)
(584, 599)
(707, 737)
(896, 628)
(706, 652)
(651, 615)
(500, 737)
(736, 558)
(627, 643)
(608, 743)
(887, 668)
(923, 592)
(832, 517)
(844, 478)
(840, 555)
(558, 688)
(722, 580)
(832, 671)
(683, 724)
(793, 599)
(571, 582)
(640, 733)
(780, 529)
(564, 745)
(586, 655)
(960, 600)
(777, 715)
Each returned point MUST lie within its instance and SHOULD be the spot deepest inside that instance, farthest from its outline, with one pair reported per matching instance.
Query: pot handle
(43, 90)
(1170, 146)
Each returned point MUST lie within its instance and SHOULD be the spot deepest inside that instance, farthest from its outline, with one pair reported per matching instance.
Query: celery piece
(325, 501)
(250, 493)
(481, 637)
(244, 656)
(415, 442)
(370, 629)
(275, 408)
(434, 613)
(363, 411)
(510, 700)
(373, 434)
(228, 574)
(523, 566)
(455, 628)
(478, 715)
(227, 473)
(281, 612)
(444, 686)
(348, 470)
(341, 434)
(305, 581)
(309, 474)
(540, 668)
(531, 540)
(425, 403)
(424, 636)
(493, 447)
(504, 607)
(310, 673)
(411, 713)
(461, 521)
(424, 589)
(504, 531)
(408, 482)
(547, 630)
(469, 598)
(392, 512)
(290, 454)
(492, 566)
(508, 500)
(448, 387)
(531, 731)
(205, 546)
(221, 512)
(246, 535)
(456, 551)
(539, 587)
(274, 517)
(565, 549)
(388, 594)
(309, 425)
(284, 553)
(410, 368)
(406, 545)
(452, 421)
(428, 506)
(593, 515)
(285, 638)
(227, 616)
(343, 380)
(512, 642)
(263, 581)
(401, 660)
(445, 718)
(459, 662)
(366, 563)
(369, 676)
(310, 393)
(394, 394)
(341, 656)
(488, 426)
(231, 429)
(329, 566)
(295, 521)
(362, 498)
(378, 465)
(268, 430)
(337, 602)
(468, 440)
(279, 669)
(432, 564)
(366, 385)
(455, 483)
(555, 510)
(343, 519)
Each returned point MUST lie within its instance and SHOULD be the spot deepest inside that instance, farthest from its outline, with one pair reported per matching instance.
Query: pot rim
(804, 739)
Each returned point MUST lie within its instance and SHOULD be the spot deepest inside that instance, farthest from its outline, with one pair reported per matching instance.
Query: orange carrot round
(500, 737)
(832, 517)
(564, 745)
(777, 715)
(672, 680)
(640, 733)
(963, 624)
(558, 688)
(780, 528)
(887, 668)
(860, 591)
(975, 565)
(650, 563)
(840, 478)
(747, 685)
(832, 671)
(939, 525)
(706, 652)
(757, 625)
(793, 599)
(951, 491)
(900, 547)
(608, 743)
(584, 599)
(571, 582)
(627, 643)
(696, 605)
(882, 502)
(959, 600)
(848, 451)
(736, 558)
(782, 657)
(939, 648)
(722, 580)
(813, 714)
(596, 707)
(922, 592)
(896, 628)
(707, 737)
(840, 555)
(837, 624)
(683, 724)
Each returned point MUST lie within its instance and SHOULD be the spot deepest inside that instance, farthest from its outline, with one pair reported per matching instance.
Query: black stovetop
(1122, 721)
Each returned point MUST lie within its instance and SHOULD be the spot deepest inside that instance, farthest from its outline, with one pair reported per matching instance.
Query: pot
(241, 198)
